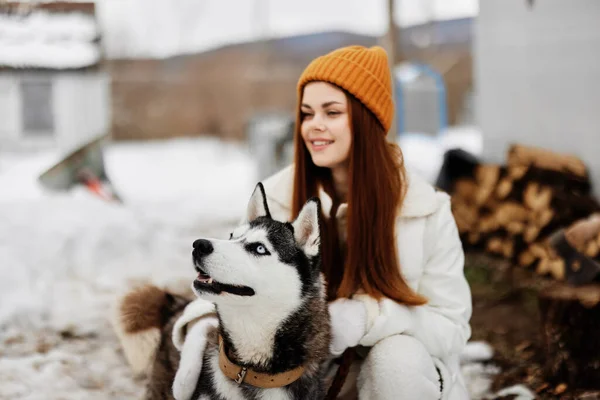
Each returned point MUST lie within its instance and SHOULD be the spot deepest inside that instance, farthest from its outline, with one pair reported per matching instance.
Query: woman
(391, 252)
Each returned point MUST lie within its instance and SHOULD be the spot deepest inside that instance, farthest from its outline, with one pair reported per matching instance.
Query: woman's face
(325, 126)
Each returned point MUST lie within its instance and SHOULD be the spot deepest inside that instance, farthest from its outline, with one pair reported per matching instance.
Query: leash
(342, 373)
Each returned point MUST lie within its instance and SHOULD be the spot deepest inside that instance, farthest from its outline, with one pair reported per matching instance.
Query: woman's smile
(318, 145)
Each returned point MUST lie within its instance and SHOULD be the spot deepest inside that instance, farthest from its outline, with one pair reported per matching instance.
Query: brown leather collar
(258, 379)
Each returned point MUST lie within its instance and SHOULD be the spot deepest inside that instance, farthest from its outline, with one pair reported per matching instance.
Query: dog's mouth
(205, 283)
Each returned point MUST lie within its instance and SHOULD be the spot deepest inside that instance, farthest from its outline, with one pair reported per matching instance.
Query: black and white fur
(269, 293)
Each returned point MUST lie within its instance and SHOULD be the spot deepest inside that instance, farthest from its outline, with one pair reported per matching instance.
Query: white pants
(398, 367)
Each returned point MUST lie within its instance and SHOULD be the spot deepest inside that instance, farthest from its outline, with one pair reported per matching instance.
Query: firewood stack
(509, 210)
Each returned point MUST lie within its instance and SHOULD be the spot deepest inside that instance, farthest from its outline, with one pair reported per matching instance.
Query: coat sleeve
(442, 324)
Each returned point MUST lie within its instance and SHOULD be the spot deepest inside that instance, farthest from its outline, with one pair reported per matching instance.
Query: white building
(53, 91)
(537, 76)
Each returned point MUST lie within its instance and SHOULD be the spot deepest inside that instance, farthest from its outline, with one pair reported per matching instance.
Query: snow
(65, 257)
(45, 40)
(41, 25)
(520, 392)
(477, 352)
(63, 55)
(424, 153)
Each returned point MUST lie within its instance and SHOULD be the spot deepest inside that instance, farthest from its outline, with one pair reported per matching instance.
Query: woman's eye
(306, 116)
(333, 113)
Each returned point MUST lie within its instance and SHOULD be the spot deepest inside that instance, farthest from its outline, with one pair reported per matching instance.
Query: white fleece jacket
(432, 262)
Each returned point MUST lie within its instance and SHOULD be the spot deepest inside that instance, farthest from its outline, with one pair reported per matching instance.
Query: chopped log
(495, 245)
(552, 266)
(538, 250)
(508, 249)
(537, 197)
(515, 227)
(519, 155)
(488, 224)
(483, 194)
(517, 171)
(592, 249)
(462, 225)
(543, 266)
(465, 189)
(486, 176)
(526, 258)
(467, 217)
(544, 216)
(504, 187)
(473, 237)
(509, 212)
(532, 232)
(557, 269)
(570, 319)
(561, 181)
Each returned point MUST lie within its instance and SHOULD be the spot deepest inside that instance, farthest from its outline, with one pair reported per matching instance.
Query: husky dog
(269, 295)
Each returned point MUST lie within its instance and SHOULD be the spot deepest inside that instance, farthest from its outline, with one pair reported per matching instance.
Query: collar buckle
(241, 375)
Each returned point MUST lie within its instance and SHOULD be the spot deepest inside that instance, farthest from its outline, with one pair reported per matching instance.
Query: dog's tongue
(204, 278)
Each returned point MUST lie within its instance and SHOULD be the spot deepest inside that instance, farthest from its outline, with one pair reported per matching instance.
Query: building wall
(80, 107)
(212, 93)
(10, 109)
(537, 76)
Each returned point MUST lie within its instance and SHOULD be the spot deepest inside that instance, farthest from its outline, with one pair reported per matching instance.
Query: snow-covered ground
(65, 257)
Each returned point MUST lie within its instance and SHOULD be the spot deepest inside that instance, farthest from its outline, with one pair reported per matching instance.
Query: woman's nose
(316, 124)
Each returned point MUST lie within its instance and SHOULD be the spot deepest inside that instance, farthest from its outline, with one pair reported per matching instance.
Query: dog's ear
(257, 207)
(306, 227)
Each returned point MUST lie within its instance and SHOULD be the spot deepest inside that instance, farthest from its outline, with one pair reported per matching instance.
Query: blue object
(411, 72)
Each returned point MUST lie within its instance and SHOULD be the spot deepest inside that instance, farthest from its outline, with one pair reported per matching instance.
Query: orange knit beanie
(364, 72)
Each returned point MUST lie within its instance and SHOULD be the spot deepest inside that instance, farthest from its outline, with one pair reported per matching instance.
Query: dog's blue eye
(257, 248)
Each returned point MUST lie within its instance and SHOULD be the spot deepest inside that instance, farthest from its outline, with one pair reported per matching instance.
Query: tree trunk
(571, 334)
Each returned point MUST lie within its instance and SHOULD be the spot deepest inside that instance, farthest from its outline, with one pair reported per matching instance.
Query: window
(36, 106)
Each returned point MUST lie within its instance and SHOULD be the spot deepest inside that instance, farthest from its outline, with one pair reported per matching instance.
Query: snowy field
(65, 257)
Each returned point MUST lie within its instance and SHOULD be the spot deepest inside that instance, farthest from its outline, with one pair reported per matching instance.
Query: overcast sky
(161, 28)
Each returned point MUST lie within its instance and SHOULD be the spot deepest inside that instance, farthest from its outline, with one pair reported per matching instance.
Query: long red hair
(377, 182)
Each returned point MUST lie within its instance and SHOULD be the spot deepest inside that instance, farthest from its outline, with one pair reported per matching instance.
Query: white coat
(432, 262)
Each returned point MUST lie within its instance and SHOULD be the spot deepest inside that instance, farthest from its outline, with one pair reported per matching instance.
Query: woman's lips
(320, 145)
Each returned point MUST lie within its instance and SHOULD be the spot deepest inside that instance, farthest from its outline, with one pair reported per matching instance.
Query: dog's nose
(203, 247)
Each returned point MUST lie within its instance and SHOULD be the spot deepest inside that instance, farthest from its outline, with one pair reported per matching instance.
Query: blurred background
(128, 128)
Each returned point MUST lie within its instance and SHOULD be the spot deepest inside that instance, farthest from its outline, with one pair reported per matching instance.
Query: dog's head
(264, 261)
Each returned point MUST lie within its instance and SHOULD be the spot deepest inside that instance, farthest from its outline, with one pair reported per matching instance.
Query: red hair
(377, 181)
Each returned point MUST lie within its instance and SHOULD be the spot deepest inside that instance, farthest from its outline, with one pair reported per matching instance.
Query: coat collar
(420, 200)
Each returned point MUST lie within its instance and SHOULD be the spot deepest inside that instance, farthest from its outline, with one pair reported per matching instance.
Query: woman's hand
(199, 333)
(348, 324)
